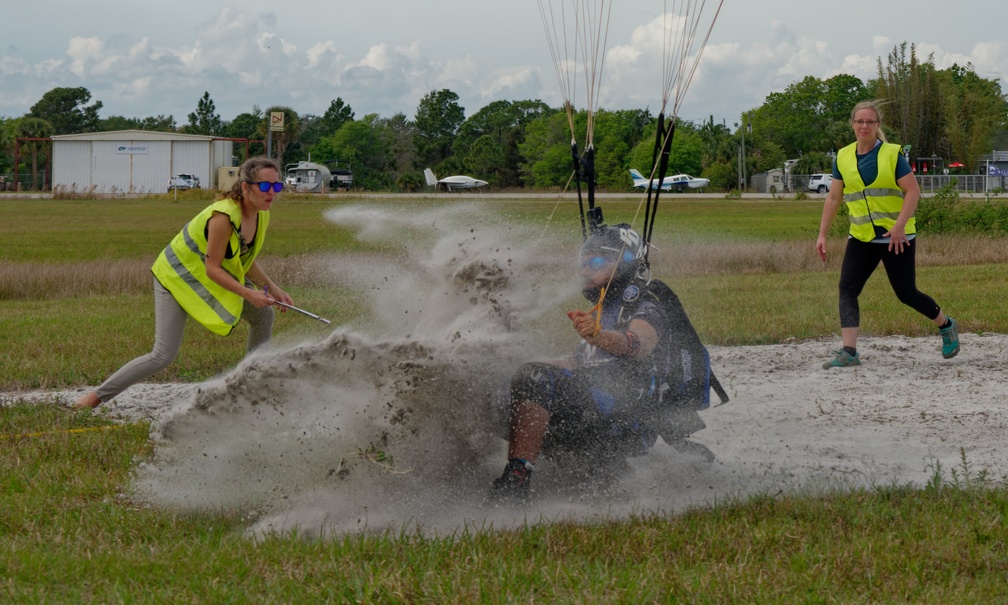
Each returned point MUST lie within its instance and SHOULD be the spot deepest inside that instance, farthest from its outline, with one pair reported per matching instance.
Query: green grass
(804, 305)
(69, 532)
(744, 269)
(59, 231)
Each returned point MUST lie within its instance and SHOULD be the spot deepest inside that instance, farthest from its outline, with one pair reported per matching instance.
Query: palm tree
(33, 128)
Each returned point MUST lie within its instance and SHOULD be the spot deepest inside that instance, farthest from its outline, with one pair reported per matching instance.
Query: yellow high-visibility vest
(877, 204)
(181, 268)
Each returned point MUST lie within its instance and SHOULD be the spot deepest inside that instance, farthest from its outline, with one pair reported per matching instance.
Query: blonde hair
(248, 172)
(875, 106)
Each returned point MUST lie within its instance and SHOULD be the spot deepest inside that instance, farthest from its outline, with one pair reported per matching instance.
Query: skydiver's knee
(534, 382)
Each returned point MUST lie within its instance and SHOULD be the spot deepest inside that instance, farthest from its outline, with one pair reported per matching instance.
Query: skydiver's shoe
(513, 485)
(843, 359)
(950, 339)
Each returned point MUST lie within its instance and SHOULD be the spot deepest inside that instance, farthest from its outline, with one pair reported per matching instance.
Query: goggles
(596, 263)
(265, 186)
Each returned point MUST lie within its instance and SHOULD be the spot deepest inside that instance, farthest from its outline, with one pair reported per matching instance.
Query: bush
(946, 212)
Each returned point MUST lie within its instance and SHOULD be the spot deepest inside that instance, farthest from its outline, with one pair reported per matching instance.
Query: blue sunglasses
(265, 186)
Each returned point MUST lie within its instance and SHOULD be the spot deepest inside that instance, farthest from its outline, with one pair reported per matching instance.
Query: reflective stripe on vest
(194, 247)
(181, 269)
(190, 280)
(878, 204)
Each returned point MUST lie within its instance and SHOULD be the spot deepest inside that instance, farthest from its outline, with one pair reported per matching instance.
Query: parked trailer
(307, 177)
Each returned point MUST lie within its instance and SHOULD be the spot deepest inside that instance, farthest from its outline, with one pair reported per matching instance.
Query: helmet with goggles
(617, 250)
(609, 245)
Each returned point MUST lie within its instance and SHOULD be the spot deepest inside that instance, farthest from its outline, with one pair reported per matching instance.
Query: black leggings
(859, 262)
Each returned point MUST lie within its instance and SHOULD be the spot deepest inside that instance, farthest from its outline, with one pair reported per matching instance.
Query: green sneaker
(843, 359)
(950, 339)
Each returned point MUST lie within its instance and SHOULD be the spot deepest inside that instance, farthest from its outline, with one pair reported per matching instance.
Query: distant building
(769, 181)
(135, 161)
(994, 164)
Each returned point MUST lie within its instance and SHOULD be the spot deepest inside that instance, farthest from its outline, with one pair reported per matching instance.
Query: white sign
(276, 121)
(132, 149)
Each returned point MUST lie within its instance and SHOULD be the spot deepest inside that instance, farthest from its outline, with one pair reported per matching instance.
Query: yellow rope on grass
(63, 432)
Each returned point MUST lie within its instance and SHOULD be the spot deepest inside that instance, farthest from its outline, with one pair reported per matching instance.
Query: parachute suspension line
(681, 28)
(577, 181)
(558, 39)
(566, 77)
(584, 168)
(659, 163)
(549, 219)
(681, 60)
(595, 35)
(578, 41)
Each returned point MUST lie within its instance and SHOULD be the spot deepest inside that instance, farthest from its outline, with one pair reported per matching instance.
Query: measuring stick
(302, 311)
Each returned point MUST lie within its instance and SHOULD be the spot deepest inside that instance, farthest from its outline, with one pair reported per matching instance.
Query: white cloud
(228, 24)
(881, 45)
(138, 50)
(505, 80)
(270, 44)
(251, 54)
(379, 57)
(458, 72)
(990, 60)
(83, 51)
(864, 67)
(989, 53)
(323, 55)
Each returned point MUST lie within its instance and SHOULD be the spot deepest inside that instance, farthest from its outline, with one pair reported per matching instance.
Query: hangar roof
(132, 135)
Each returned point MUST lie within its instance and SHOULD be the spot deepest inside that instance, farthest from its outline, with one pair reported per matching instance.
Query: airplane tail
(431, 179)
(638, 178)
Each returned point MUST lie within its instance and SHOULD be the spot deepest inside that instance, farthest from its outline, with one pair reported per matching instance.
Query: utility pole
(745, 180)
(742, 156)
(742, 177)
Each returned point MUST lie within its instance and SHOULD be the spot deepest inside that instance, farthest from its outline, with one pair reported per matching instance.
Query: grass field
(75, 288)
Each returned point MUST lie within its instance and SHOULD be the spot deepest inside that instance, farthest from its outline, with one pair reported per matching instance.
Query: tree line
(951, 113)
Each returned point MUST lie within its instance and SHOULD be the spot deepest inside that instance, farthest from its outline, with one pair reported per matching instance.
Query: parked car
(183, 182)
(820, 182)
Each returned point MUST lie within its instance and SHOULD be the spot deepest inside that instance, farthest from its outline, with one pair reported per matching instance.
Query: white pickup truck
(820, 182)
(183, 182)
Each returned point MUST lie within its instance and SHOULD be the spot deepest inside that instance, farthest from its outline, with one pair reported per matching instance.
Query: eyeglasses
(596, 262)
(864, 122)
(265, 186)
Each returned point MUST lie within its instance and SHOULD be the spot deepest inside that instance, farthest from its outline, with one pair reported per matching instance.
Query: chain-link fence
(24, 182)
(929, 184)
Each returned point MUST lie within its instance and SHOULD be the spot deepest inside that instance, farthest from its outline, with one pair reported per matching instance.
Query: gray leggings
(169, 325)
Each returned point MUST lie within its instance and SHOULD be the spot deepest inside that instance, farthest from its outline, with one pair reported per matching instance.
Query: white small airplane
(679, 182)
(452, 182)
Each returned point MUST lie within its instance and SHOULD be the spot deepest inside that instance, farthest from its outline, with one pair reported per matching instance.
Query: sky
(382, 56)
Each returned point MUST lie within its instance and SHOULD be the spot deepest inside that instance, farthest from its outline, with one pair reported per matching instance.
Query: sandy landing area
(789, 425)
(392, 424)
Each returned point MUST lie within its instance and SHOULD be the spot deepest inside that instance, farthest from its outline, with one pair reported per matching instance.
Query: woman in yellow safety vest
(209, 272)
(881, 193)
